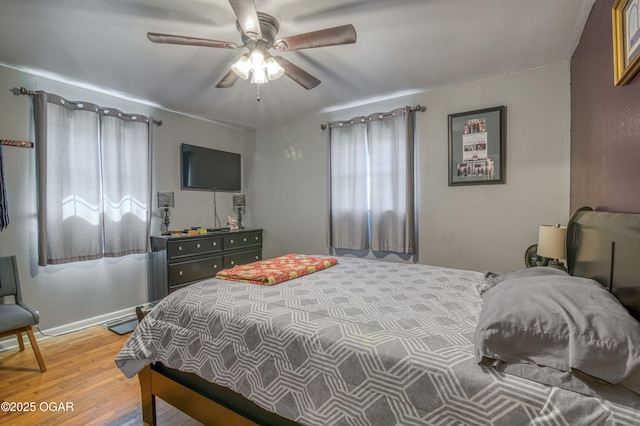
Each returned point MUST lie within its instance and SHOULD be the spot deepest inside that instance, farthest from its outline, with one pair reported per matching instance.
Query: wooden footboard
(206, 402)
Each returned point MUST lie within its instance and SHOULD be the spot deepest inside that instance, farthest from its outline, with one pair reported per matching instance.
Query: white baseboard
(11, 342)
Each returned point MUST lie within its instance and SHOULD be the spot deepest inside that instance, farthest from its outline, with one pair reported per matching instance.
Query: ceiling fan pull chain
(258, 97)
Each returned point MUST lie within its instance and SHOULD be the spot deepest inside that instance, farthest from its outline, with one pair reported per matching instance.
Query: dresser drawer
(231, 260)
(242, 240)
(194, 270)
(194, 247)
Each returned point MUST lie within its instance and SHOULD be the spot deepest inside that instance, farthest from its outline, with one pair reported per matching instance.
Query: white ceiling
(403, 46)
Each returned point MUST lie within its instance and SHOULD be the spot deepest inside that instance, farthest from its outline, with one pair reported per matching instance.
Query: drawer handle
(179, 248)
(257, 257)
(214, 266)
(256, 238)
(181, 273)
(233, 263)
(244, 240)
(198, 245)
(230, 241)
(214, 243)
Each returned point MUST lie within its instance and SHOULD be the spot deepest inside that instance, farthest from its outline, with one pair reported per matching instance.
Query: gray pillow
(560, 323)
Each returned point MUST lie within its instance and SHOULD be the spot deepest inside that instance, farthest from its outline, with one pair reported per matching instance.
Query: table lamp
(239, 204)
(552, 243)
(165, 201)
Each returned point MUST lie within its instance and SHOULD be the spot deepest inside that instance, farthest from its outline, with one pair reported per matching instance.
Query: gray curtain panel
(348, 186)
(93, 168)
(391, 158)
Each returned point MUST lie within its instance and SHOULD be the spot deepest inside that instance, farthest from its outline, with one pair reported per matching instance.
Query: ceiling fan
(258, 33)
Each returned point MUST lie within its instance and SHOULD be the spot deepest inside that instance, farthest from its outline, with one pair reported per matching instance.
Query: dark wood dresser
(176, 262)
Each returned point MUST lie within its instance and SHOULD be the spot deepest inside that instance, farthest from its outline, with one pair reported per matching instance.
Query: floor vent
(123, 325)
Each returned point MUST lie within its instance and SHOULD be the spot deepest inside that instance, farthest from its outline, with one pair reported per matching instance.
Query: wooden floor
(82, 383)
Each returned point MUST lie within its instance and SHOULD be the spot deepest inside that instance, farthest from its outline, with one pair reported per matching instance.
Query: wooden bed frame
(206, 402)
(600, 245)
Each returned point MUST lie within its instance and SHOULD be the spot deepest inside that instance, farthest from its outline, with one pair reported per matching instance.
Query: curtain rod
(418, 107)
(24, 91)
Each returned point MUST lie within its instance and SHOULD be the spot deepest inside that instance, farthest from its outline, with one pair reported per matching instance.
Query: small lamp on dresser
(239, 205)
(166, 201)
(552, 243)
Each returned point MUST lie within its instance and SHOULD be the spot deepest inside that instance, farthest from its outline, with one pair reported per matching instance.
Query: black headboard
(606, 247)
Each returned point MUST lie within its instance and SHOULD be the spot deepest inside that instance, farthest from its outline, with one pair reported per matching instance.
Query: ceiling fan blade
(228, 80)
(245, 11)
(190, 41)
(344, 34)
(297, 74)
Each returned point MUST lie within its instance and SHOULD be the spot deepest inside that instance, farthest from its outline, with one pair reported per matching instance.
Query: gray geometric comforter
(361, 343)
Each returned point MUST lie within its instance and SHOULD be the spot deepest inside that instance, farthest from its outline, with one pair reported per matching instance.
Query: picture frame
(477, 147)
(625, 22)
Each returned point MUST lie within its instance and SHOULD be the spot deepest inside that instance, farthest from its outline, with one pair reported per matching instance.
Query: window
(372, 183)
(94, 187)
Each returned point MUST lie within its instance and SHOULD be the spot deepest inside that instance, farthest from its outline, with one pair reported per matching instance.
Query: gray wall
(485, 227)
(605, 123)
(77, 294)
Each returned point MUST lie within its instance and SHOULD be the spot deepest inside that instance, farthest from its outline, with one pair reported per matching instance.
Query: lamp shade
(552, 241)
(239, 201)
(165, 199)
(242, 67)
(274, 70)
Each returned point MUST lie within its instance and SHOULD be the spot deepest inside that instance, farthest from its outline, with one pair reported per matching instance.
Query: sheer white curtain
(349, 210)
(94, 189)
(372, 183)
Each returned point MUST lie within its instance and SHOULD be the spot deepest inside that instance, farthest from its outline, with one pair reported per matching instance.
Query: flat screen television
(210, 169)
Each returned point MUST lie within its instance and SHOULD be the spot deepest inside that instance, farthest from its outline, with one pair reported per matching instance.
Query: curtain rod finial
(21, 91)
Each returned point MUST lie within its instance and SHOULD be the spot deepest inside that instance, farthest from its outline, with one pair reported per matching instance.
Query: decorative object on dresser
(179, 261)
(239, 204)
(552, 243)
(166, 202)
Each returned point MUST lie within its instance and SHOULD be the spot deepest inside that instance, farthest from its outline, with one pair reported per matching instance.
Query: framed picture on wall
(477, 147)
(626, 40)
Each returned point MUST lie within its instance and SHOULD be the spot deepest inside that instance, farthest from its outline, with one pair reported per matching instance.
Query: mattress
(361, 343)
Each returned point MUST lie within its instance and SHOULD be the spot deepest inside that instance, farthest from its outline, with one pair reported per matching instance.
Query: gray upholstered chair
(16, 317)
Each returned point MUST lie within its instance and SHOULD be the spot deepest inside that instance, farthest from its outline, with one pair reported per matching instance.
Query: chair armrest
(35, 314)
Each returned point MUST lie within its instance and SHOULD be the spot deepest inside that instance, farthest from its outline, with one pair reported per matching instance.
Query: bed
(380, 343)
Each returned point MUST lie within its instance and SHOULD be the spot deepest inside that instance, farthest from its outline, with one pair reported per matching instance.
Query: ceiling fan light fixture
(274, 70)
(259, 76)
(257, 59)
(242, 67)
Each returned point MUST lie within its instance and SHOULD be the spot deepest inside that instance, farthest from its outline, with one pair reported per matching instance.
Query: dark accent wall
(605, 123)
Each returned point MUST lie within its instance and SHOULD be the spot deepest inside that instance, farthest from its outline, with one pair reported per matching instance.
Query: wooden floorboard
(81, 378)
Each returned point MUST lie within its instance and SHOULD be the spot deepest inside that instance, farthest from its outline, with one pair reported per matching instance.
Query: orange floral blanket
(276, 270)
